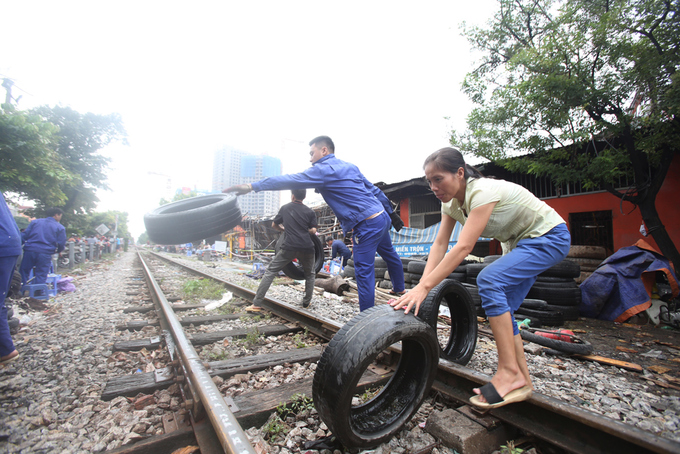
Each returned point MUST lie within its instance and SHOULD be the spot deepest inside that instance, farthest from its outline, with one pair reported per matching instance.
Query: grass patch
(202, 289)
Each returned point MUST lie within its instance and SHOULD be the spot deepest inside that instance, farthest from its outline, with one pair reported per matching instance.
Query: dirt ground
(656, 349)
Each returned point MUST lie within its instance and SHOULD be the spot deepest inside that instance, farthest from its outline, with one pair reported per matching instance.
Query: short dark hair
(323, 141)
(329, 238)
(299, 194)
(51, 212)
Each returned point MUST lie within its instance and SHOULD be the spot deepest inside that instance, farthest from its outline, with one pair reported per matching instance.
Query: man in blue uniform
(358, 205)
(10, 249)
(42, 238)
(339, 248)
(298, 222)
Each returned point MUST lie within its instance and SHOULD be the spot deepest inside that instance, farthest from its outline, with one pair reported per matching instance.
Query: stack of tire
(414, 272)
(588, 257)
(553, 299)
(14, 293)
(382, 275)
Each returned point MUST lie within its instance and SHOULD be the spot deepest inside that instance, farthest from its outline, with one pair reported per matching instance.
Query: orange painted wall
(404, 211)
(627, 227)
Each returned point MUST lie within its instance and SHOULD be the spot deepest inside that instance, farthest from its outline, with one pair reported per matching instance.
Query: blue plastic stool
(42, 291)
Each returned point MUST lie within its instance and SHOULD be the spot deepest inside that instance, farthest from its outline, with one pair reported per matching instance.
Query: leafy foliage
(202, 289)
(580, 91)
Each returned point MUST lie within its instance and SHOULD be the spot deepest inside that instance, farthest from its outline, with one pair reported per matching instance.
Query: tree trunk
(657, 230)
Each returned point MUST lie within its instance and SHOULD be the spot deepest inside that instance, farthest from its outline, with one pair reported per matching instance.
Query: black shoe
(306, 304)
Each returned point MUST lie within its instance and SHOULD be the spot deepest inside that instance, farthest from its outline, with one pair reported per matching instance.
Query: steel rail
(565, 425)
(230, 434)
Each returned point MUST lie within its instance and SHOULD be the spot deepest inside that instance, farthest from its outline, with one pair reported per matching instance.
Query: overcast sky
(378, 77)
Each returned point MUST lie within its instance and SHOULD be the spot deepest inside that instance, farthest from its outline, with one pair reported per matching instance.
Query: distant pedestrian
(10, 249)
(298, 222)
(339, 248)
(42, 238)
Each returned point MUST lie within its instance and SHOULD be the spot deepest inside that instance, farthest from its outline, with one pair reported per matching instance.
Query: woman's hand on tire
(239, 189)
(413, 297)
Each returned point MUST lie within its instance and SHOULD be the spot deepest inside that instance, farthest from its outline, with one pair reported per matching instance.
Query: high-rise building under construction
(232, 166)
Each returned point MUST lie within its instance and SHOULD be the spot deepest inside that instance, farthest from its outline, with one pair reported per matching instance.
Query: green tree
(589, 88)
(81, 137)
(31, 168)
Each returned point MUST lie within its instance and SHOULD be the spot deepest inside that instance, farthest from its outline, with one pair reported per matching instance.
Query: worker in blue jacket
(358, 205)
(42, 238)
(10, 249)
(339, 248)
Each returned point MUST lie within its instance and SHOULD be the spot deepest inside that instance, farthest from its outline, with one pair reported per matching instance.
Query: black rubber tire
(380, 263)
(407, 277)
(350, 262)
(581, 347)
(566, 268)
(347, 357)
(491, 258)
(474, 293)
(380, 273)
(15, 284)
(460, 277)
(13, 323)
(348, 271)
(293, 269)
(556, 285)
(549, 318)
(10, 312)
(473, 269)
(416, 267)
(557, 296)
(534, 304)
(463, 334)
(570, 313)
(192, 219)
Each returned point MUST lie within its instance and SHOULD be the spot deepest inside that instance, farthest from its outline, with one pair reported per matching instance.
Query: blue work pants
(6, 271)
(371, 236)
(504, 283)
(39, 262)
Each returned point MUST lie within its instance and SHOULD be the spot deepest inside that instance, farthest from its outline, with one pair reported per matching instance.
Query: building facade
(232, 166)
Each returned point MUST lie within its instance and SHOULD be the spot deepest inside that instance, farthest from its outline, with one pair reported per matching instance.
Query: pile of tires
(553, 299)
(589, 259)
(415, 269)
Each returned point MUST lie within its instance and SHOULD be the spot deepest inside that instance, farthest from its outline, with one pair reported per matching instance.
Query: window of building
(592, 228)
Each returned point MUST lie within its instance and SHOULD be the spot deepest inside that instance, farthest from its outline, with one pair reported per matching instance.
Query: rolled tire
(380, 273)
(192, 219)
(474, 293)
(581, 347)
(293, 269)
(348, 271)
(591, 252)
(460, 277)
(15, 284)
(347, 357)
(534, 304)
(380, 263)
(473, 269)
(350, 262)
(10, 312)
(463, 334)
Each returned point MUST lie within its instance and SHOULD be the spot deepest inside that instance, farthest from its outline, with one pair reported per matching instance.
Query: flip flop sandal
(494, 400)
(392, 292)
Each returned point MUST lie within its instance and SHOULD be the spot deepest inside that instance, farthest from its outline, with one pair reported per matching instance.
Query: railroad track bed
(54, 399)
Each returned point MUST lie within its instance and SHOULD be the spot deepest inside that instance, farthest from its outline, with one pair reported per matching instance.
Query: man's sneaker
(306, 304)
(253, 308)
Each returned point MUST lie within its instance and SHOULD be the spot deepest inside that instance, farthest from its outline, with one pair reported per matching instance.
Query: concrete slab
(457, 431)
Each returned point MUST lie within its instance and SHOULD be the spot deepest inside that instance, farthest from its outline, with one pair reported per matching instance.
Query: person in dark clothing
(359, 206)
(10, 249)
(297, 221)
(42, 238)
(339, 248)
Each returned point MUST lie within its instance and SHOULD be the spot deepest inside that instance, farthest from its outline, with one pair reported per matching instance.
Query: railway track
(216, 422)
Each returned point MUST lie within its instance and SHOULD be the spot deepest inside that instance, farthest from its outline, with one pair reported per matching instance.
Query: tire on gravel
(416, 266)
(558, 296)
(347, 357)
(192, 219)
(580, 347)
(348, 271)
(293, 269)
(15, 284)
(463, 334)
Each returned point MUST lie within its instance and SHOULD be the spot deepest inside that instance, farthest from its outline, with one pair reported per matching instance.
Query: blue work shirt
(10, 236)
(45, 236)
(341, 249)
(342, 185)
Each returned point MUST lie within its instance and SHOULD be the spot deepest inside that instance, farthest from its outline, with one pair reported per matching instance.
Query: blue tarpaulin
(622, 286)
(408, 241)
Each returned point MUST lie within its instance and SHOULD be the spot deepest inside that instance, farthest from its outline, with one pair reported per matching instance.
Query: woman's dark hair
(450, 159)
